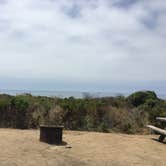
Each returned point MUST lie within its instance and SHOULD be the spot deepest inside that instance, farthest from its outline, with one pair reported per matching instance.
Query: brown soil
(22, 148)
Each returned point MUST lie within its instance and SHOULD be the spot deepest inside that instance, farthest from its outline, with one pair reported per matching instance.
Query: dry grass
(22, 148)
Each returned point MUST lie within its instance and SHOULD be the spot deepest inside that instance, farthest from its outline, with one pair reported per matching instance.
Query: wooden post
(161, 138)
(51, 134)
(159, 131)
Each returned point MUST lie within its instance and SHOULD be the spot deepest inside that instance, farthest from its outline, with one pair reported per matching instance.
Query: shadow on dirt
(155, 139)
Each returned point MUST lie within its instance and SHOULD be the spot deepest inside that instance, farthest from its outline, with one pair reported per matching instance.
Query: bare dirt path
(22, 148)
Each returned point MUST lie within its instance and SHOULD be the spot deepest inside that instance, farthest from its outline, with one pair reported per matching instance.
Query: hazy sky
(83, 44)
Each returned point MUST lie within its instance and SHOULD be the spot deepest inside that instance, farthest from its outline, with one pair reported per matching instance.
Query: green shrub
(120, 114)
(141, 97)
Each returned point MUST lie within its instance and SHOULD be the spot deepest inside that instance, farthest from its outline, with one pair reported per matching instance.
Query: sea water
(66, 94)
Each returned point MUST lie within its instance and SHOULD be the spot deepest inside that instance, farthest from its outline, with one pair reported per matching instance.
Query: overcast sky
(83, 44)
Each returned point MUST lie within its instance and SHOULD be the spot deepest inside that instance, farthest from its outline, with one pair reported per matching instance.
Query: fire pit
(51, 134)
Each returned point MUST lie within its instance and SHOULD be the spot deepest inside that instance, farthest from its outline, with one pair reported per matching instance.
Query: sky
(100, 45)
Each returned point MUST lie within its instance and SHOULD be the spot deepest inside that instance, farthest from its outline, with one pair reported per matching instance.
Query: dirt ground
(22, 148)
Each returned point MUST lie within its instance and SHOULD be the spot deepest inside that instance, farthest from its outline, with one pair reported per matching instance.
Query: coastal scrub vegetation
(119, 114)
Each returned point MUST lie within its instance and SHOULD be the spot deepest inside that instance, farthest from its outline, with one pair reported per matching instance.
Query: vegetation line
(119, 114)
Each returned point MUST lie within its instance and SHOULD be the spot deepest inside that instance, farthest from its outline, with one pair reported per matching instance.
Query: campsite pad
(22, 147)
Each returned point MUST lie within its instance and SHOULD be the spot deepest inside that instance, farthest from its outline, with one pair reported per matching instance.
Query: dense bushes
(120, 114)
(141, 97)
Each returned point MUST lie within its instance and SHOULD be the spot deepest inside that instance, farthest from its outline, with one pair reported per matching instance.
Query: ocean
(66, 94)
(61, 94)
